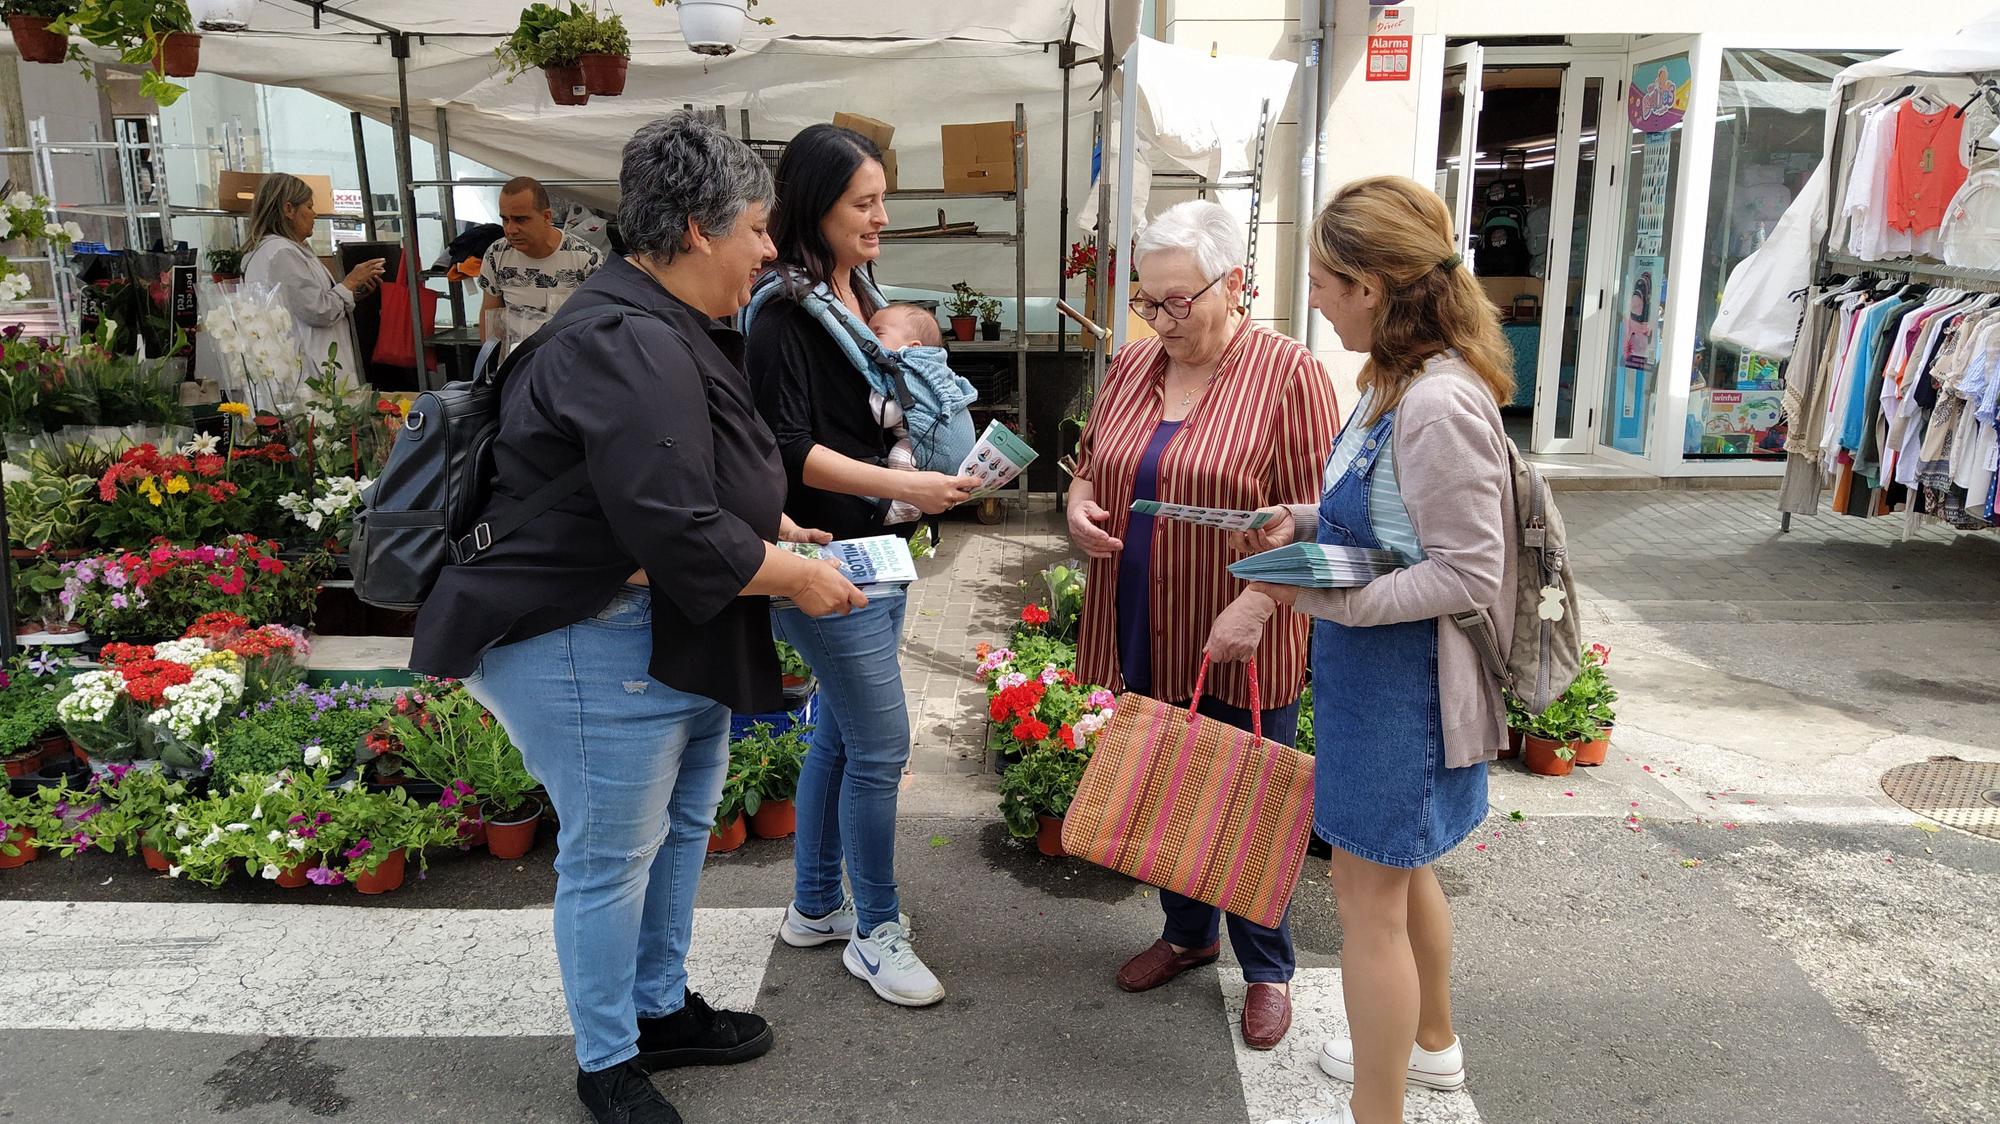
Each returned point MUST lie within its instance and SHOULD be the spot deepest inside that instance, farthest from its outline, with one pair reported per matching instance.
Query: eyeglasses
(1180, 308)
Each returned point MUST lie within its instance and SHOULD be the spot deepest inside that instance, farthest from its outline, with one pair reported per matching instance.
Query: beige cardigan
(1457, 482)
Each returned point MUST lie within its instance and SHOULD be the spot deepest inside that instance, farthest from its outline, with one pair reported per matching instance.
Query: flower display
(332, 510)
(158, 702)
(179, 497)
(163, 589)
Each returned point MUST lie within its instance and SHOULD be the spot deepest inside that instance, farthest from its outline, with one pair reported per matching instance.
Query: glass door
(1578, 305)
(1458, 130)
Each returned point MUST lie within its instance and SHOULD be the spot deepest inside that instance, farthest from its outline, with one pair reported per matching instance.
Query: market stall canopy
(915, 64)
(1758, 311)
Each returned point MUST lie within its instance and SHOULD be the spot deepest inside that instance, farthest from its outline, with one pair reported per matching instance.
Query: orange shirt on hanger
(1925, 169)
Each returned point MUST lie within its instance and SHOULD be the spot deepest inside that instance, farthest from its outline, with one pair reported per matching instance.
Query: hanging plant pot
(35, 41)
(775, 819)
(1048, 836)
(180, 55)
(1545, 757)
(385, 877)
(1594, 751)
(24, 842)
(514, 836)
(729, 837)
(293, 877)
(604, 75)
(222, 15)
(714, 27)
(962, 328)
(566, 85)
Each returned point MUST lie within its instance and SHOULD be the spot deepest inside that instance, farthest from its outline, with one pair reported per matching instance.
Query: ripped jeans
(635, 770)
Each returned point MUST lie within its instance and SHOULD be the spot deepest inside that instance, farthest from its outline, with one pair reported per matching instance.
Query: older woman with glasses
(1214, 412)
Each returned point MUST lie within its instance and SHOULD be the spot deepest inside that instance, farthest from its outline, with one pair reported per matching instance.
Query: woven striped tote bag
(1183, 802)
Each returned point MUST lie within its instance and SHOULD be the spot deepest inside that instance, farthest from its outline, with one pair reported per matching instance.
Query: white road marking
(1286, 1083)
(327, 971)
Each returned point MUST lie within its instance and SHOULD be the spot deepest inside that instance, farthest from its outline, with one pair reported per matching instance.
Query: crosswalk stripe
(326, 971)
(1286, 1083)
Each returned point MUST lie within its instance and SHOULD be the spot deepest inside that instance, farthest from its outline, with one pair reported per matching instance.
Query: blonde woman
(1409, 716)
(281, 221)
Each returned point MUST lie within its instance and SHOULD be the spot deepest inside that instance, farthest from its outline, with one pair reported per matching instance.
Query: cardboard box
(981, 158)
(239, 189)
(881, 132)
(889, 167)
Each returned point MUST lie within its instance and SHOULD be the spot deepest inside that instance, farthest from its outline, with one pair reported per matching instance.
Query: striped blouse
(1259, 436)
(1391, 519)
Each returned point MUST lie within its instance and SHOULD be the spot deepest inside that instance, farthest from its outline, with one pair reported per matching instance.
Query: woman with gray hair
(1214, 411)
(632, 404)
(281, 220)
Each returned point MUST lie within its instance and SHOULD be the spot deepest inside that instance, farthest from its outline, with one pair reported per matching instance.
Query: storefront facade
(1608, 166)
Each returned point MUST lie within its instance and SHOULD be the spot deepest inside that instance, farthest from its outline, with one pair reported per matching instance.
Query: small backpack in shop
(1547, 652)
(1503, 242)
(419, 514)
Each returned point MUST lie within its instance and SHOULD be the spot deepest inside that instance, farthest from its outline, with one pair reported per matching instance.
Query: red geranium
(1068, 736)
(215, 624)
(1030, 730)
(1034, 615)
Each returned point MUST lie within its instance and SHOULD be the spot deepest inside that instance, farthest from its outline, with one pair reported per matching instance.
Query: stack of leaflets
(1220, 518)
(1317, 567)
(875, 565)
(997, 459)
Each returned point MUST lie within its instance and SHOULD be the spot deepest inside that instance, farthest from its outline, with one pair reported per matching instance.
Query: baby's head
(906, 325)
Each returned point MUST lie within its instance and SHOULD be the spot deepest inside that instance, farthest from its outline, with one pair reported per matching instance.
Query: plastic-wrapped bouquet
(153, 702)
(251, 327)
(331, 512)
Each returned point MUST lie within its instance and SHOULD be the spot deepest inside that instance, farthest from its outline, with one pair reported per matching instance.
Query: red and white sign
(1389, 45)
(347, 202)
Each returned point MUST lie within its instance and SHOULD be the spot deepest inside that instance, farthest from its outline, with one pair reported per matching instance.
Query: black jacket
(810, 394)
(685, 483)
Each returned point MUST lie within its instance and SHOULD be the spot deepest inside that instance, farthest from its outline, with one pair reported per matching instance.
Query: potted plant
(795, 675)
(446, 737)
(29, 732)
(1592, 690)
(225, 263)
(29, 21)
(1517, 725)
(767, 764)
(1035, 794)
(23, 819)
(607, 52)
(156, 34)
(46, 512)
(715, 27)
(552, 40)
(731, 829)
(963, 308)
(989, 319)
(144, 801)
(304, 727)
(1548, 745)
(381, 831)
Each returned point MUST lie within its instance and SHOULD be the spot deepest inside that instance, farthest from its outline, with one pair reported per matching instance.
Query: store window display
(1770, 134)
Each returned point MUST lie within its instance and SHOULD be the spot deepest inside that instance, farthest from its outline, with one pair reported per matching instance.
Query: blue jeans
(635, 770)
(854, 769)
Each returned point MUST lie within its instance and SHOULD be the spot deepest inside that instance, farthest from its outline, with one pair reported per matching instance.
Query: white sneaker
(1444, 1069)
(801, 931)
(885, 959)
(1344, 1116)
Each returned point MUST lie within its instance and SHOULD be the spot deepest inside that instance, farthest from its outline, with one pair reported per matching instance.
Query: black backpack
(423, 512)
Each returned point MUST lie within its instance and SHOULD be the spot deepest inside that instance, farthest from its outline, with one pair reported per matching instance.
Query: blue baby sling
(936, 402)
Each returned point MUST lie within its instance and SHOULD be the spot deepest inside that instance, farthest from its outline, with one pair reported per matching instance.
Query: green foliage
(989, 311)
(46, 9)
(1034, 651)
(964, 300)
(1306, 742)
(142, 801)
(549, 36)
(31, 812)
(28, 707)
(1579, 712)
(446, 736)
(274, 735)
(1040, 784)
(130, 391)
(604, 35)
(46, 510)
(765, 765)
(791, 664)
(226, 261)
(136, 30)
(371, 826)
(1065, 583)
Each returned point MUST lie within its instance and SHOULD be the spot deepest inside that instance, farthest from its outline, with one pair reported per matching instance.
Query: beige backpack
(1547, 652)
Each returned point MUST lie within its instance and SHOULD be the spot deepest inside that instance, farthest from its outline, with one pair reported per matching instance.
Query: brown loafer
(1161, 963)
(1267, 1015)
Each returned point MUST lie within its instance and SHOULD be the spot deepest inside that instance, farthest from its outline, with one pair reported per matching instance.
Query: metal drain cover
(1960, 794)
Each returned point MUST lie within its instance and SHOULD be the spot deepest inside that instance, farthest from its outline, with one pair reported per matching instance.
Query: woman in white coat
(281, 219)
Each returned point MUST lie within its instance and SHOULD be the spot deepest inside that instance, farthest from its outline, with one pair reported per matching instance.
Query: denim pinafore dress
(1382, 791)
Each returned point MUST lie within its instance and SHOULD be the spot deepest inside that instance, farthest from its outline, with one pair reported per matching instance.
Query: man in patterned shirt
(529, 273)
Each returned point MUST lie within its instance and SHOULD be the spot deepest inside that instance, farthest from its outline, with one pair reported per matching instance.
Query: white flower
(257, 813)
(214, 835)
(236, 827)
(181, 651)
(91, 698)
(277, 785)
(72, 232)
(270, 871)
(315, 756)
(180, 831)
(173, 871)
(6, 224)
(295, 843)
(173, 809)
(21, 201)
(203, 444)
(350, 786)
(274, 837)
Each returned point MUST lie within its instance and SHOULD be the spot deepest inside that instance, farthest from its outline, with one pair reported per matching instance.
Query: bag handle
(1256, 697)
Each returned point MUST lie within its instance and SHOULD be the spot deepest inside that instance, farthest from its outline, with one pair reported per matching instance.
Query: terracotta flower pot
(35, 41)
(293, 877)
(1513, 749)
(730, 837)
(963, 327)
(180, 55)
(1593, 751)
(1048, 839)
(21, 764)
(566, 85)
(1539, 755)
(24, 841)
(775, 819)
(385, 877)
(510, 839)
(154, 859)
(604, 75)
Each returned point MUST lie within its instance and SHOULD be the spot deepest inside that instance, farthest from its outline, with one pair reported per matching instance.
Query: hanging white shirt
(1970, 235)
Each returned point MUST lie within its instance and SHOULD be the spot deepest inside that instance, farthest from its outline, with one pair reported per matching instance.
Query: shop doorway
(1531, 189)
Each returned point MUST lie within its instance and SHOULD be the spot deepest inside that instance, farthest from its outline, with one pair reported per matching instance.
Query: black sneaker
(698, 1034)
(623, 1094)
